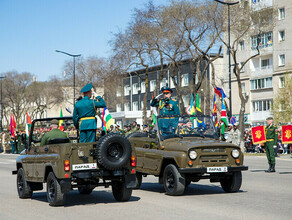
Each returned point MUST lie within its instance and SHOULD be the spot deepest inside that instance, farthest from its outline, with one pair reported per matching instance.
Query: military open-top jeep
(63, 164)
(185, 149)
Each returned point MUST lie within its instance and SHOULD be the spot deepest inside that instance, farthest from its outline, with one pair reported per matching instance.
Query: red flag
(13, 126)
(287, 134)
(28, 120)
(258, 135)
(10, 125)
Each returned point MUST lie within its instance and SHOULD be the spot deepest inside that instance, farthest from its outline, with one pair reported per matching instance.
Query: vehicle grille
(213, 150)
(213, 159)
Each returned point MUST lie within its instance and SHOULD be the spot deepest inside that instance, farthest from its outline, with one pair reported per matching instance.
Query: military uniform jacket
(166, 107)
(85, 111)
(55, 133)
(271, 134)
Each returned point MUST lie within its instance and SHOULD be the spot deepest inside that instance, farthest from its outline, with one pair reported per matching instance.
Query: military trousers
(270, 152)
(87, 136)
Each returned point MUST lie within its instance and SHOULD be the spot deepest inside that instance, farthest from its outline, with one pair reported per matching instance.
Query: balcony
(262, 71)
(259, 5)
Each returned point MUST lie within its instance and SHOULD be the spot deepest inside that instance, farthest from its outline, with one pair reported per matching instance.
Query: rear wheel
(54, 195)
(174, 183)
(23, 188)
(232, 183)
(120, 192)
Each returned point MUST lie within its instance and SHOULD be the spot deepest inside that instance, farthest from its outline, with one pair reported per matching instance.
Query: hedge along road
(262, 196)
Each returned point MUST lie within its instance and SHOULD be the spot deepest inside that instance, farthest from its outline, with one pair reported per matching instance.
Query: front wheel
(232, 183)
(54, 195)
(174, 183)
(120, 192)
(23, 188)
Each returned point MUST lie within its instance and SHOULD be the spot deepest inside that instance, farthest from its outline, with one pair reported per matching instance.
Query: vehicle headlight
(235, 153)
(193, 154)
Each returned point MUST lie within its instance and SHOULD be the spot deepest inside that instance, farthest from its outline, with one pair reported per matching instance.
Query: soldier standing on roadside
(84, 114)
(271, 143)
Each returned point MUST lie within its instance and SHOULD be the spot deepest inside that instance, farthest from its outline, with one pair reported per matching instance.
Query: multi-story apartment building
(127, 104)
(264, 74)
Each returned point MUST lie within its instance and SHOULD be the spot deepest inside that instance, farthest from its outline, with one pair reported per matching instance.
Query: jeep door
(28, 164)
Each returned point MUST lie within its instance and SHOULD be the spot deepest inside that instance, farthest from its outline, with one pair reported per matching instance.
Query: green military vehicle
(185, 149)
(64, 164)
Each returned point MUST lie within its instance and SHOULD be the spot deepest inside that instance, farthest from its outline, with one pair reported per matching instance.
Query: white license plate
(217, 170)
(85, 166)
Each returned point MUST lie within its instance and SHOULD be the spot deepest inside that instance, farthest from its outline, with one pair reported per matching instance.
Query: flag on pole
(223, 118)
(107, 119)
(61, 127)
(12, 126)
(27, 124)
(220, 92)
(192, 110)
(200, 120)
(214, 115)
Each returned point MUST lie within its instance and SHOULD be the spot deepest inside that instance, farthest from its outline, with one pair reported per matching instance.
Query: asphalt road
(262, 196)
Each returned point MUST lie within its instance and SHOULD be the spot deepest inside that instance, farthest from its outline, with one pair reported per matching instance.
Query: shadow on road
(253, 171)
(192, 189)
(74, 198)
(285, 172)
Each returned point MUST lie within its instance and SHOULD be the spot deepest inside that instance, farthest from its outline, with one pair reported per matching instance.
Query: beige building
(262, 75)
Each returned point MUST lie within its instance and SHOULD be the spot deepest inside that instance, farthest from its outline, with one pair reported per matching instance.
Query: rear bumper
(203, 170)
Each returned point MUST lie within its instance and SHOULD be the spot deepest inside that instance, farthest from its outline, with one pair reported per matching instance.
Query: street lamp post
(229, 57)
(74, 56)
(1, 110)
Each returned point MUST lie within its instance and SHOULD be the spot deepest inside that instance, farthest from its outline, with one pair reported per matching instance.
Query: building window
(135, 106)
(281, 36)
(185, 80)
(281, 13)
(135, 88)
(127, 90)
(143, 87)
(240, 65)
(152, 85)
(186, 100)
(263, 40)
(241, 45)
(282, 107)
(282, 60)
(262, 105)
(127, 107)
(172, 83)
(243, 87)
(163, 82)
(119, 92)
(282, 82)
(265, 64)
(119, 107)
(261, 83)
(142, 104)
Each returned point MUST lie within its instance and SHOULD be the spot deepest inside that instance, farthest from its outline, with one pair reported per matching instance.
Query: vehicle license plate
(216, 169)
(85, 166)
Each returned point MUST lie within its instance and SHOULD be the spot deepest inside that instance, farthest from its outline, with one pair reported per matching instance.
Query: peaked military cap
(86, 88)
(54, 122)
(166, 89)
(269, 118)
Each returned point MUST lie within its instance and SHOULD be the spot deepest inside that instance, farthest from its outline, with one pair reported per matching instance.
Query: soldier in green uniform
(166, 106)
(54, 133)
(84, 114)
(271, 143)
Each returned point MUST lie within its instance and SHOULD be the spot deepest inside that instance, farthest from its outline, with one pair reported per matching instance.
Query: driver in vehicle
(166, 106)
(54, 133)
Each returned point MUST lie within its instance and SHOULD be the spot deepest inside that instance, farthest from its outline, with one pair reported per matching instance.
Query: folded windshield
(185, 126)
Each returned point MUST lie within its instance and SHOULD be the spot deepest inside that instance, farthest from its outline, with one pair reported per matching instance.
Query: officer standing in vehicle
(54, 133)
(84, 114)
(271, 143)
(166, 106)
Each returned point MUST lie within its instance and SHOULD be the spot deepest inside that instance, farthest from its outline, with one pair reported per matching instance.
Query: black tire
(54, 195)
(188, 182)
(232, 183)
(85, 190)
(174, 183)
(139, 180)
(23, 187)
(120, 192)
(137, 134)
(113, 151)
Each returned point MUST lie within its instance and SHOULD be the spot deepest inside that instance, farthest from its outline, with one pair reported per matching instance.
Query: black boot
(269, 170)
(273, 168)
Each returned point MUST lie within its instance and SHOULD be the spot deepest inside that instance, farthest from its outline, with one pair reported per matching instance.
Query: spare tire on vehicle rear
(113, 151)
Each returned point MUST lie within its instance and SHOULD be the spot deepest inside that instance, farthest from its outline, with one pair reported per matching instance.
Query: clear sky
(32, 30)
